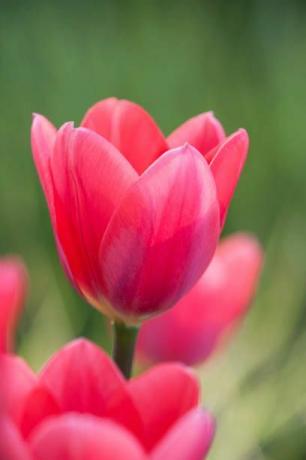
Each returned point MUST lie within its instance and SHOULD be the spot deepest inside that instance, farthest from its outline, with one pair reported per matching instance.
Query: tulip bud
(211, 311)
(136, 216)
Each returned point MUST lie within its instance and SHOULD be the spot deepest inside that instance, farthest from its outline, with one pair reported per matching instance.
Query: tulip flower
(12, 292)
(192, 330)
(79, 407)
(136, 216)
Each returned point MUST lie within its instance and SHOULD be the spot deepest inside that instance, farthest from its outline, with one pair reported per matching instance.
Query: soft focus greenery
(246, 61)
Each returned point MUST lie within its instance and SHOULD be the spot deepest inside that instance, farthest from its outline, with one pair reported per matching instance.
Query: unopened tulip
(200, 322)
(136, 216)
(12, 291)
(79, 407)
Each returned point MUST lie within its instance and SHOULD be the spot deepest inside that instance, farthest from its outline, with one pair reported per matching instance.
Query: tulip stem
(124, 341)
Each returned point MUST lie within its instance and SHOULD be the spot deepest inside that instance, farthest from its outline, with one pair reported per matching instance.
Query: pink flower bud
(136, 216)
(192, 330)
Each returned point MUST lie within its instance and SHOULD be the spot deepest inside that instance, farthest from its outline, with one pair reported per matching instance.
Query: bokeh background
(246, 60)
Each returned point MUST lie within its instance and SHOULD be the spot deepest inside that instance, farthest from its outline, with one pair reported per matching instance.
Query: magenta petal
(102, 177)
(90, 176)
(130, 128)
(43, 135)
(12, 292)
(162, 236)
(226, 167)
(82, 378)
(190, 438)
(84, 437)
(12, 446)
(16, 382)
(203, 131)
(162, 395)
(39, 405)
(65, 226)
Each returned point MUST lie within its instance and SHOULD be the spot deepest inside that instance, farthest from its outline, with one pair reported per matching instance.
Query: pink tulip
(12, 292)
(136, 216)
(79, 407)
(194, 328)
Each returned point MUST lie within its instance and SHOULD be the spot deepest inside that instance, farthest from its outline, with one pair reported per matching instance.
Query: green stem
(124, 340)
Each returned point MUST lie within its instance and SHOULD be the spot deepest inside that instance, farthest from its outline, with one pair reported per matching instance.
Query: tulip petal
(130, 128)
(12, 446)
(203, 131)
(230, 288)
(43, 135)
(16, 383)
(162, 395)
(12, 292)
(82, 378)
(39, 405)
(65, 228)
(162, 236)
(90, 176)
(84, 437)
(190, 438)
(226, 167)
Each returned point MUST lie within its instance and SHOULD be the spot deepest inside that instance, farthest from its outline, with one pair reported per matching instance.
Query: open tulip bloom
(192, 330)
(80, 407)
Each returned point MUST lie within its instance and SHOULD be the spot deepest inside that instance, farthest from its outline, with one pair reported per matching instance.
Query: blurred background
(247, 62)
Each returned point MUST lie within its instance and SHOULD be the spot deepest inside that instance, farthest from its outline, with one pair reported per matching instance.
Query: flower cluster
(137, 218)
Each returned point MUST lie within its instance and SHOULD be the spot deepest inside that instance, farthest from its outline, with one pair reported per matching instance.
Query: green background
(247, 62)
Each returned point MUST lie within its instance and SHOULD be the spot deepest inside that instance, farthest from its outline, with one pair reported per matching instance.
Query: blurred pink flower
(194, 328)
(12, 293)
(136, 216)
(79, 407)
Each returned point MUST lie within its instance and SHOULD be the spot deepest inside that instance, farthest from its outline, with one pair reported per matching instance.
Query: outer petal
(193, 329)
(12, 446)
(16, 382)
(226, 167)
(190, 438)
(90, 176)
(203, 131)
(84, 379)
(163, 394)
(43, 135)
(84, 437)
(39, 405)
(130, 128)
(162, 236)
(12, 292)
